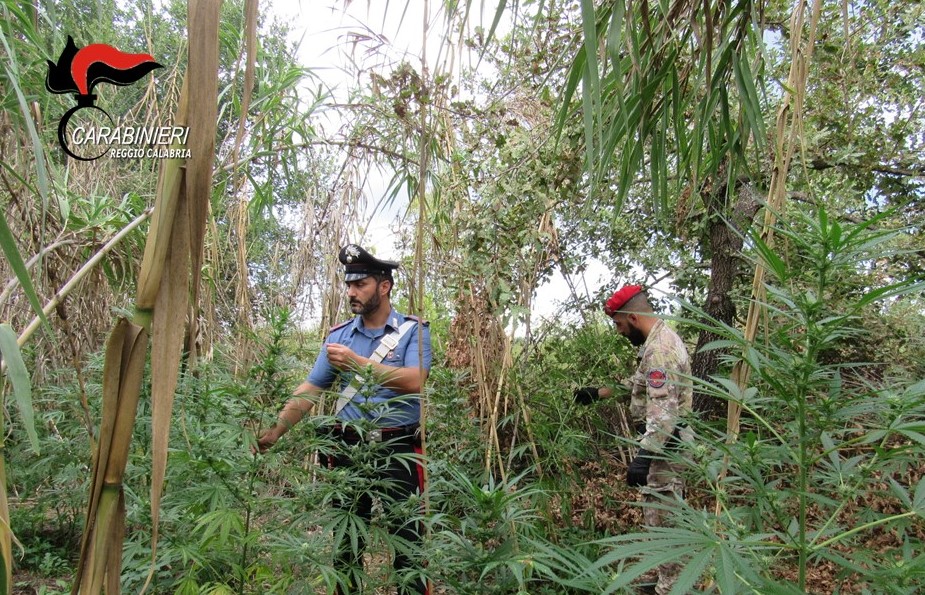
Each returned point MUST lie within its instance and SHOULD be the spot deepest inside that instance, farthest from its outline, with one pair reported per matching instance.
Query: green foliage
(11, 252)
(660, 98)
(566, 359)
(12, 78)
(818, 438)
(828, 461)
(49, 521)
(485, 538)
(826, 476)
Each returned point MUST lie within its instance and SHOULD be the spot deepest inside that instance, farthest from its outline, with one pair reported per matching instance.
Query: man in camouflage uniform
(660, 398)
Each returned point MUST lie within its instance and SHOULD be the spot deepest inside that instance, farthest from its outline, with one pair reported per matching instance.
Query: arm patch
(656, 377)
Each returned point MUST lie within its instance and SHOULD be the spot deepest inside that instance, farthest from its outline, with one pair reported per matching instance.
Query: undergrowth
(823, 490)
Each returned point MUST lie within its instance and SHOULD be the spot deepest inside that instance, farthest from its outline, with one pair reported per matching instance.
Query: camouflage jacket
(660, 390)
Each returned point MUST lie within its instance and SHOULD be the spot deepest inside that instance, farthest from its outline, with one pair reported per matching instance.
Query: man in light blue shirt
(385, 407)
(378, 361)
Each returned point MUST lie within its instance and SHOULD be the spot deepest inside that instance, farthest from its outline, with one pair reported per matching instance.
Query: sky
(334, 36)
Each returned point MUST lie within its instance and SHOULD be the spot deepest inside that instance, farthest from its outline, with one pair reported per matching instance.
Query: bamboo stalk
(203, 111)
(166, 347)
(180, 211)
(113, 576)
(122, 375)
(493, 440)
(168, 190)
(111, 377)
(190, 193)
(789, 118)
(528, 426)
(109, 498)
(419, 269)
(240, 215)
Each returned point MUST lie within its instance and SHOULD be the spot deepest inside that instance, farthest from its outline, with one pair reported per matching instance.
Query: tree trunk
(725, 243)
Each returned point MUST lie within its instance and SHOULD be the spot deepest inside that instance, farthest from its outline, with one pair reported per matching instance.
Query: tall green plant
(813, 386)
(488, 537)
(221, 509)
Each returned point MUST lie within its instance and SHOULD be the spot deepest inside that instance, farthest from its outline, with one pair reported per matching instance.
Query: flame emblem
(79, 70)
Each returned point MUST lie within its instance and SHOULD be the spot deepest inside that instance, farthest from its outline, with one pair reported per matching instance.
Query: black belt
(352, 435)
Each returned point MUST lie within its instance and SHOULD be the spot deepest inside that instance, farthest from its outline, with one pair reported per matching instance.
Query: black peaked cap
(359, 264)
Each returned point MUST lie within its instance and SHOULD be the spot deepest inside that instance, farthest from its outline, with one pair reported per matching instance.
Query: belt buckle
(374, 435)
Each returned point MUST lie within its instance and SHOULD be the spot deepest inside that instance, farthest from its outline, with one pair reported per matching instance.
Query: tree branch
(912, 171)
(227, 167)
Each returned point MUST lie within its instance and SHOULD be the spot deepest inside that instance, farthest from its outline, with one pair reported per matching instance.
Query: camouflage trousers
(665, 487)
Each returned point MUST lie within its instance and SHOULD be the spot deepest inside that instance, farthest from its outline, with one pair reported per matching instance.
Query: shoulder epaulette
(415, 318)
(339, 325)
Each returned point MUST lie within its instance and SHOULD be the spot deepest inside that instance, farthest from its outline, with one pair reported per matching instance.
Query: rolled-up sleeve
(323, 373)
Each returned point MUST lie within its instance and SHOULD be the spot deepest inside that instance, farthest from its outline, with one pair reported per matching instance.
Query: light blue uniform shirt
(383, 406)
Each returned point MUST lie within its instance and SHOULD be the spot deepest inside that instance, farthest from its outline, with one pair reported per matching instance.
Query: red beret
(619, 298)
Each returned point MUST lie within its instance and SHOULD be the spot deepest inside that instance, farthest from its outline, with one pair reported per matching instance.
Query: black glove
(638, 470)
(587, 395)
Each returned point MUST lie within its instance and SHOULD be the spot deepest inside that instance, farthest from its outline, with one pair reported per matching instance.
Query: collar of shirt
(656, 328)
(395, 320)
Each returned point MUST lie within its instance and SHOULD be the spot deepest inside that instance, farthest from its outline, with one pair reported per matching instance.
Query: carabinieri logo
(78, 71)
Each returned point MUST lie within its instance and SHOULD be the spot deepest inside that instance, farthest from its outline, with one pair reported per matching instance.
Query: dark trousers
(396, 479)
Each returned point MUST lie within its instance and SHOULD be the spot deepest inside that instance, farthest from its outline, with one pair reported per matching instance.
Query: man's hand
(586, 395)
(589, 394)
(638, 471)
(268, 438)
(293, 411)
(342, 357)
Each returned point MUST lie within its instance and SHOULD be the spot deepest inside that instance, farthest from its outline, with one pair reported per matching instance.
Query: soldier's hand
(638, 471)
(341, 356)
(586, 395)
(267, 439)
